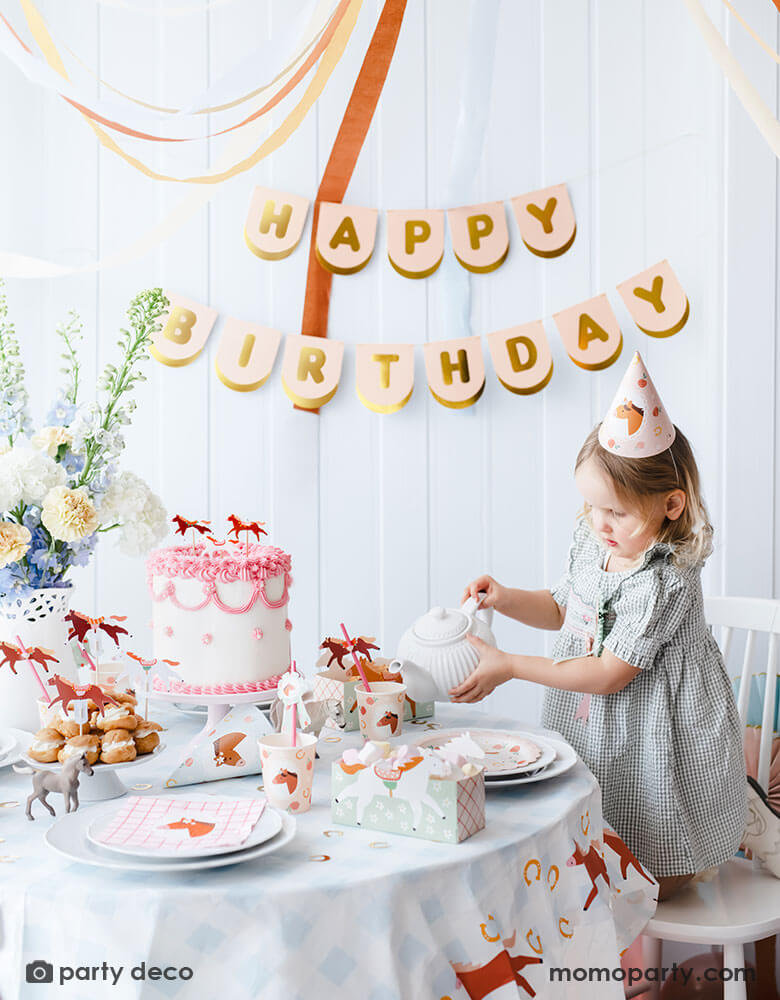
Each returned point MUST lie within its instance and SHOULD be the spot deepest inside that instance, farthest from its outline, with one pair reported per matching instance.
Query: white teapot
(434, 655)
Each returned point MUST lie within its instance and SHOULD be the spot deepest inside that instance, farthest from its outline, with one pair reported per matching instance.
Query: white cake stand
(103, 783)
(218, 706)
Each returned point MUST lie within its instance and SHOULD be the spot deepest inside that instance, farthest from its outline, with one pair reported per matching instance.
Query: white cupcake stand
(217, 706)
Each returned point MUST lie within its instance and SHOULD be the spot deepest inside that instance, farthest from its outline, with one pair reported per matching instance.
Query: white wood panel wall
(385, 516)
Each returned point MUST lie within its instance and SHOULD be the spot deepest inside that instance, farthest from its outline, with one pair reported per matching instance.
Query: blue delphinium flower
(61, 413)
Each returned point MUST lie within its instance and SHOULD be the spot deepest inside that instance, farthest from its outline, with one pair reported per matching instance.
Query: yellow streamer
(753, 34)
(751, 101)
(299, 57)
(328, 62)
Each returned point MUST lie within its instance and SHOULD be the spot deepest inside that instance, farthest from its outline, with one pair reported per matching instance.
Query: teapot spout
(420, 685)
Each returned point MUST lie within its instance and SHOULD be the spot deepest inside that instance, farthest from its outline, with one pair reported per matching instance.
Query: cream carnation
(14, 542)
(26, 476)
(69, 515)
(49, 439)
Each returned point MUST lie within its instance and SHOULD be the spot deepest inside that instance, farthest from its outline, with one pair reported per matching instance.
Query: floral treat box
(408, 798)
(334, 683)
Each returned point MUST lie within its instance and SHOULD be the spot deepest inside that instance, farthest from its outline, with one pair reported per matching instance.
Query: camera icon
(40, 972)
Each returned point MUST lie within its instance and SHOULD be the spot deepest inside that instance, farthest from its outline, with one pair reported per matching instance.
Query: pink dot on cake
(257, 633)
(206, 638)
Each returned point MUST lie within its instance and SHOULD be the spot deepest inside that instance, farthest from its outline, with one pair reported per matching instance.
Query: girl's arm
(604, 674)
(531, 607)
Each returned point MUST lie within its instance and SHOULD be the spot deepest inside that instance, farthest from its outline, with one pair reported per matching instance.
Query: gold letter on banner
(656, 300)
(311, 370)
(184, 331)
(590, 333)
(480, 237)
(415, 241)
(275, 223)
(546, 220)
(456, 371)
(246, 354)
(384, 375)
(345, 237)
(521, 356)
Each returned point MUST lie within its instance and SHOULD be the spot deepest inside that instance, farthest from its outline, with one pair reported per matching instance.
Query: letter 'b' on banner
(184, 332)
(311, 370)
(246, 354)
(656, 300)
(415, 241)
(345, 237)
(275, 223)
(385, 375)
(546, 220)
(590, 333)
(521, 356)
(480, 237)
(456, 371)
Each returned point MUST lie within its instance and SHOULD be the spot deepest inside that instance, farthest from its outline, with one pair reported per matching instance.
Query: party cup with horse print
(288, 770)
(381, 710)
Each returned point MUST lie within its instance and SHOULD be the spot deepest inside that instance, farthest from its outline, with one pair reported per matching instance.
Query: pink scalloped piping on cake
(247, 687)
(212, 596)
(226, 565)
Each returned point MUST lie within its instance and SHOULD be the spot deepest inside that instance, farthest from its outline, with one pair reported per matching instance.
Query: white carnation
(27, 475)
(142, 518)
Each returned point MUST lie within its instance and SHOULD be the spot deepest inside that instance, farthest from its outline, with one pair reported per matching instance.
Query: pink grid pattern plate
(185, 826)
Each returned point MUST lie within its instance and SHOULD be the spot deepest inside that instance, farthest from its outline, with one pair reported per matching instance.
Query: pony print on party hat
(636, 424)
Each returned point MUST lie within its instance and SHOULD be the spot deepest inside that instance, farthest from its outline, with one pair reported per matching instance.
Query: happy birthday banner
(345, 235)
(455, 369)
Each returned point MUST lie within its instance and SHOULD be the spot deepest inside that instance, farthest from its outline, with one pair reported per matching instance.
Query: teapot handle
(472, 606)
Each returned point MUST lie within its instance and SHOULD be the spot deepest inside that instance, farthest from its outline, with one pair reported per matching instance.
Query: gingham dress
(667, 749)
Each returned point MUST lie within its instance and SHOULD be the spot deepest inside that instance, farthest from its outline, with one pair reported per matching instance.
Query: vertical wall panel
(387, 515)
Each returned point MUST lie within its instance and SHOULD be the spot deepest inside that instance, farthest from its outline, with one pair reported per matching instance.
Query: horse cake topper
(636, 424)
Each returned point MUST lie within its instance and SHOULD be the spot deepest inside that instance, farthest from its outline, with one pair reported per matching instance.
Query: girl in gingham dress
(637, 684)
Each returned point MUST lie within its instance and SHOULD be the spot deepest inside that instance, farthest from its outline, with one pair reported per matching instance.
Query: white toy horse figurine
(66, 782)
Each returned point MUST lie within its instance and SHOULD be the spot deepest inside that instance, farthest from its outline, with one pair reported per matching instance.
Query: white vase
(38, 619)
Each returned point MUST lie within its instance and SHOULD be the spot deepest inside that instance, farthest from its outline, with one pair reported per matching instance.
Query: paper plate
(269, 824)
(507, 753)
(68, 837)
(20, 741)
(565, 759)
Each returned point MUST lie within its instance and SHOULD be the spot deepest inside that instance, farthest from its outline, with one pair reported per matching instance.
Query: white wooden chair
(742, 902)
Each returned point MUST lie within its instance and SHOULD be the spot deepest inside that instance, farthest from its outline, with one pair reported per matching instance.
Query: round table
(339, 912)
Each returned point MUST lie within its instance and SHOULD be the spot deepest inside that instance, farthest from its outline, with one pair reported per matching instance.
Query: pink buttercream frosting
(247, 687)
(211, 564)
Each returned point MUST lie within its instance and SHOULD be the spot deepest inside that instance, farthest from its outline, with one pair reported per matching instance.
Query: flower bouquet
(61, 488)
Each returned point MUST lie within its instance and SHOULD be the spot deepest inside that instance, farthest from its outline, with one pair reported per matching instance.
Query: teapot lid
(441, 626)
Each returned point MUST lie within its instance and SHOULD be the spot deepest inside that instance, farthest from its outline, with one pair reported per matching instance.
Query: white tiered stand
(218, 708)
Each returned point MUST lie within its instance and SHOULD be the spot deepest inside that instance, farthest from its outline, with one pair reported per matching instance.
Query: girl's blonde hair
(640, 480)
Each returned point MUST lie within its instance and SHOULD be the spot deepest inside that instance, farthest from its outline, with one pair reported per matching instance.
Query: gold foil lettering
(385, 360)
(544, 215)
(179, 326)
(280, 219)
(449, 367)
(589, 330)
(415, 231)
(653, 296)
(479, 226)
(311, 362)
(514, 354)
(346, 233)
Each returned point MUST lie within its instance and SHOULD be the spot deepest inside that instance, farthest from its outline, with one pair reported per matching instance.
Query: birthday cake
(220, 617)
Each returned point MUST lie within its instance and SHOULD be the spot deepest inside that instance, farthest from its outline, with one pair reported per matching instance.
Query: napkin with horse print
(181, 823)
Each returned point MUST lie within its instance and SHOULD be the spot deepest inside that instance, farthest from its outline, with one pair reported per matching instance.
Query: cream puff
(122, 697)
(46, 744)
(67, 728)
(116, 717)
(145, 736)
(89, 745)
(117, 746)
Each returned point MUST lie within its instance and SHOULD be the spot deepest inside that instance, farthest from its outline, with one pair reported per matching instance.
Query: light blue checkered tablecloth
(375, 923)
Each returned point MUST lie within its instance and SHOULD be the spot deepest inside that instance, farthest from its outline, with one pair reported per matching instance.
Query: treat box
(327, 686)
(447, 810)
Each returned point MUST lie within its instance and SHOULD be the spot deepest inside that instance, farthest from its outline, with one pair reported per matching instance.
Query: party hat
(636, 424)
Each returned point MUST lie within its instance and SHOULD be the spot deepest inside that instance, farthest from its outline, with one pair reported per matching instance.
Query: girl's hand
(492, 590)
(493, 669)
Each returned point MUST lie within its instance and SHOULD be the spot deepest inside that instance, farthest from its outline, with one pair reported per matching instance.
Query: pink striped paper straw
(45, 693)
(355, 657)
